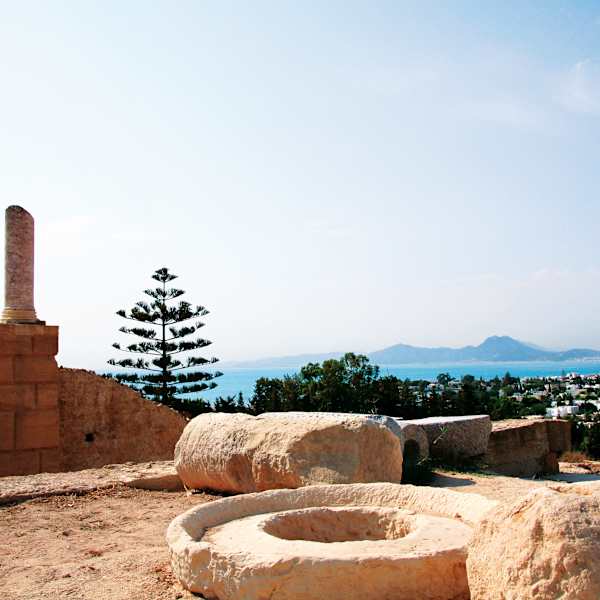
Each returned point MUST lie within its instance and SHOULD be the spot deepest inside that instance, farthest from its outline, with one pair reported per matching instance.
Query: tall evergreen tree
(160, 372)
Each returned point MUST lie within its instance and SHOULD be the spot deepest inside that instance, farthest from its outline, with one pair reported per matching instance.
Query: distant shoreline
(242, 379)
(243, 365)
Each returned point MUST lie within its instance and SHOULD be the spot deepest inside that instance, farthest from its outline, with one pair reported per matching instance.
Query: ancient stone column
(18, 268)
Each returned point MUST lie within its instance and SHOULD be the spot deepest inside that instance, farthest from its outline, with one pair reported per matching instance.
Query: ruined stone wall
(29, 415)
(104, 422)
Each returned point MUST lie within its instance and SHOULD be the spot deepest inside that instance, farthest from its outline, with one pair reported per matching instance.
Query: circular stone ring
(354, 541)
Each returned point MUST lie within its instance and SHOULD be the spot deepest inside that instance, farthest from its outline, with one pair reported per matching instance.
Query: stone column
(18, 268)
(29, 408)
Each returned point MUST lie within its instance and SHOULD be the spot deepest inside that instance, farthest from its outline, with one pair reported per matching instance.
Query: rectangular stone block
(12, 345)
(37, 429)
(50, 461)
(17, 397)
(7, 430)
(35, 369)
(31, 330)
(6, 369)
(45, 345)
(19, 463)
(47, 395)
(518, 447)
(559, 435)
(456, 438)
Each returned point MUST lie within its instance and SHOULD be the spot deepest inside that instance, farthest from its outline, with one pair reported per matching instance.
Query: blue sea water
(242, 380)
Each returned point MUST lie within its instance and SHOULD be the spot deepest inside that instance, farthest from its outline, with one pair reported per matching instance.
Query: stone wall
(29, 414)
(104, 422)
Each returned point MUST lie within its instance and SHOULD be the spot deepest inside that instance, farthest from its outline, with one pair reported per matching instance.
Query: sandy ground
(109, 544)
(104, 545)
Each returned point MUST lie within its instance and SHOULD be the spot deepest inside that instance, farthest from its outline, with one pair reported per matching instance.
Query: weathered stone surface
(7, 430)
(456, 438)
(103, 422)
(241, 453)
(559, 435)
(340, 541)
(519, 447)
(37, 429)
(19, 462)
(415, 445)
(155, 475)
(18, 267)
(28, 389)
(543, 547)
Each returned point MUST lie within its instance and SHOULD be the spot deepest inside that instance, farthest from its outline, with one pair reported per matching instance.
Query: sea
(235, 380)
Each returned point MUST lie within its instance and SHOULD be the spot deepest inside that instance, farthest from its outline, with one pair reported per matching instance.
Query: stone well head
(328, 541)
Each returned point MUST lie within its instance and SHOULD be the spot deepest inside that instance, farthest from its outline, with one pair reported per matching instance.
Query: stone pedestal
(29, 413)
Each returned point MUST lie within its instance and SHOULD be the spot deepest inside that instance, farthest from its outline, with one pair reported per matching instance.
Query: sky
(322, 176)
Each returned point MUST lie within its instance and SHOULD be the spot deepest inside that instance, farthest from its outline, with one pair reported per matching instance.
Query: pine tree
(159, 374)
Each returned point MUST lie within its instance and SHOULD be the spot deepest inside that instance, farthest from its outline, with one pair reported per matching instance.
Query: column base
(20, 315)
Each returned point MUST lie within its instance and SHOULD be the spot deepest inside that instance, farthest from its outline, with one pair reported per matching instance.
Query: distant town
(555, 397)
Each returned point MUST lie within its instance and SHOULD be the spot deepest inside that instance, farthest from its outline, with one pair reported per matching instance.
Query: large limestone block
(356, 542)
(559, 435)
(520, 447)
(415, 445)
(241, 453)
(456, 438)
(543, 547)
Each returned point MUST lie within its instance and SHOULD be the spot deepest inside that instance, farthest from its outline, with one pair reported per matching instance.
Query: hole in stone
(328, 525)
(411, 453)
(90, 437)
(415, 469)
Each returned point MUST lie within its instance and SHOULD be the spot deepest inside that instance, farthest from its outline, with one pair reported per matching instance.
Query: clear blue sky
(321, 175)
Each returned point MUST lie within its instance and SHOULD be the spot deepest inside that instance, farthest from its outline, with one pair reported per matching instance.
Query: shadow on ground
(444, 480)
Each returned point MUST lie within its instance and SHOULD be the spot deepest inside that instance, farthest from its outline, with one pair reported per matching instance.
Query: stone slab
(520, 448)
(559, 435)
(456, 438)
(415, 434)
(241, 453)
(156, 475)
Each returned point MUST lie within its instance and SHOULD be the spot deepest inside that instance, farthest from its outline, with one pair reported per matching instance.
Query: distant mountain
(493, 349)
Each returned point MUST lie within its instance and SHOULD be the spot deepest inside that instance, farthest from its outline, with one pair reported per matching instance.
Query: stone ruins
(241, 453)
(345, 526)
(360, 539)
(55, 419)
(544, 546)
(354, 542)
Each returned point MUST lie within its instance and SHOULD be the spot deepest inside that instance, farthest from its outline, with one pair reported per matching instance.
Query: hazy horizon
(322, 178)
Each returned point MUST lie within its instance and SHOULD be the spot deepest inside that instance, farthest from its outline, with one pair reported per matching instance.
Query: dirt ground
(105, 545)
(109, 544)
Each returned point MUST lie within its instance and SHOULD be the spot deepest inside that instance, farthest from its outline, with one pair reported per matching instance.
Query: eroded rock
(545, 546)
(456, 438)
(520, 447)
(415, 445)
(332, 541)
(241, 453)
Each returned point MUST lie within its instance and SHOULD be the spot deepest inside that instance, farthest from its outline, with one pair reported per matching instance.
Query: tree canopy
(164, 366)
